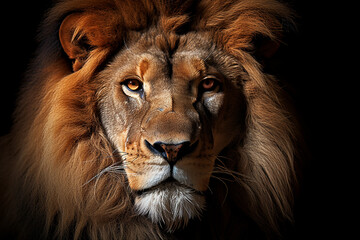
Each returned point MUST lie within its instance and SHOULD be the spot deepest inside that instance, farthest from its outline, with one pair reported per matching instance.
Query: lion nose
(171, 152)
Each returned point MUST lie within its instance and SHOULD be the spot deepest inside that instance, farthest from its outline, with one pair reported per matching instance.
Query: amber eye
(133, 84)
(209, 84)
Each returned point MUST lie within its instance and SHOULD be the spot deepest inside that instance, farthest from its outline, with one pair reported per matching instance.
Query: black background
(308, 63)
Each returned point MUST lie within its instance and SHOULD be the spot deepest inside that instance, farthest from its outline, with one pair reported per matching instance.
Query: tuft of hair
(173, 207)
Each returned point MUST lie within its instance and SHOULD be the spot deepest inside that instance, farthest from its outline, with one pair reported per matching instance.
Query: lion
(152, 119)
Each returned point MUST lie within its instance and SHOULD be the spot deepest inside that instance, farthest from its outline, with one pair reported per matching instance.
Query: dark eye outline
(127, 81)
(210, 84)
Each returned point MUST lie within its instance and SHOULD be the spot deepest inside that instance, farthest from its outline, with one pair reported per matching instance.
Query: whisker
(112, 168)
(223, 157)
(226, 187)
(133, 159)
(120, 153)
(210, 189)
(239, 177)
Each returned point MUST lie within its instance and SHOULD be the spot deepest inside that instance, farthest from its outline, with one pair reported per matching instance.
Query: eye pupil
(208, 83)
(133, 84)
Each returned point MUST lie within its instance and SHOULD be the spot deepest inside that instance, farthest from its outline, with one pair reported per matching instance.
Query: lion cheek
(214, 103)
(195, 174)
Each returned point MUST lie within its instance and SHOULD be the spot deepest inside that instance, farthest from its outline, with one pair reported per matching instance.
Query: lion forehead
(145, 54)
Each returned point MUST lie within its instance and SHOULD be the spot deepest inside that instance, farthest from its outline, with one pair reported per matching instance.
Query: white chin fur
(171, 205)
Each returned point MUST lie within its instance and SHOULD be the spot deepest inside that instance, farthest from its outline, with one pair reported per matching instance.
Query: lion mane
(52, 163)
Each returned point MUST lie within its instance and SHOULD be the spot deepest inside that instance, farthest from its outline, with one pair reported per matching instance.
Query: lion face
(134, 112)
(169, 115)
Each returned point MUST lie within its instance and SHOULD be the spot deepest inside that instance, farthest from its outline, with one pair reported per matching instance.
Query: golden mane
(57, 144)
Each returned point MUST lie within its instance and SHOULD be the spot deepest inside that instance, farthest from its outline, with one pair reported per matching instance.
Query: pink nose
(171, 152)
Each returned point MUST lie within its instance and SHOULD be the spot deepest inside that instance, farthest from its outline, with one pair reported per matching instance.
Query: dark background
(308, 63)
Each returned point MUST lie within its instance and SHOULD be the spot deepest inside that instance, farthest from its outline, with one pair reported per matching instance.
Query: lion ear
(253, 27)
(80, 33)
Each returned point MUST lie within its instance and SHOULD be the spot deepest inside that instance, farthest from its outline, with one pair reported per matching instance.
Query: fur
(57, 144)
(172, 205)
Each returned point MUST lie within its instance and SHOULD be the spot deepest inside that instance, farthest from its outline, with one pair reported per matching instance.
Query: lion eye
(209, 84)
(133, 84)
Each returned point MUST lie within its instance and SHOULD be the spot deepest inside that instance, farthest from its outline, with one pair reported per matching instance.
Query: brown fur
(58, 143)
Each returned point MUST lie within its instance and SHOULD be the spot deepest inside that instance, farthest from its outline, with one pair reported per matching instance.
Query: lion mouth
(168, 183)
